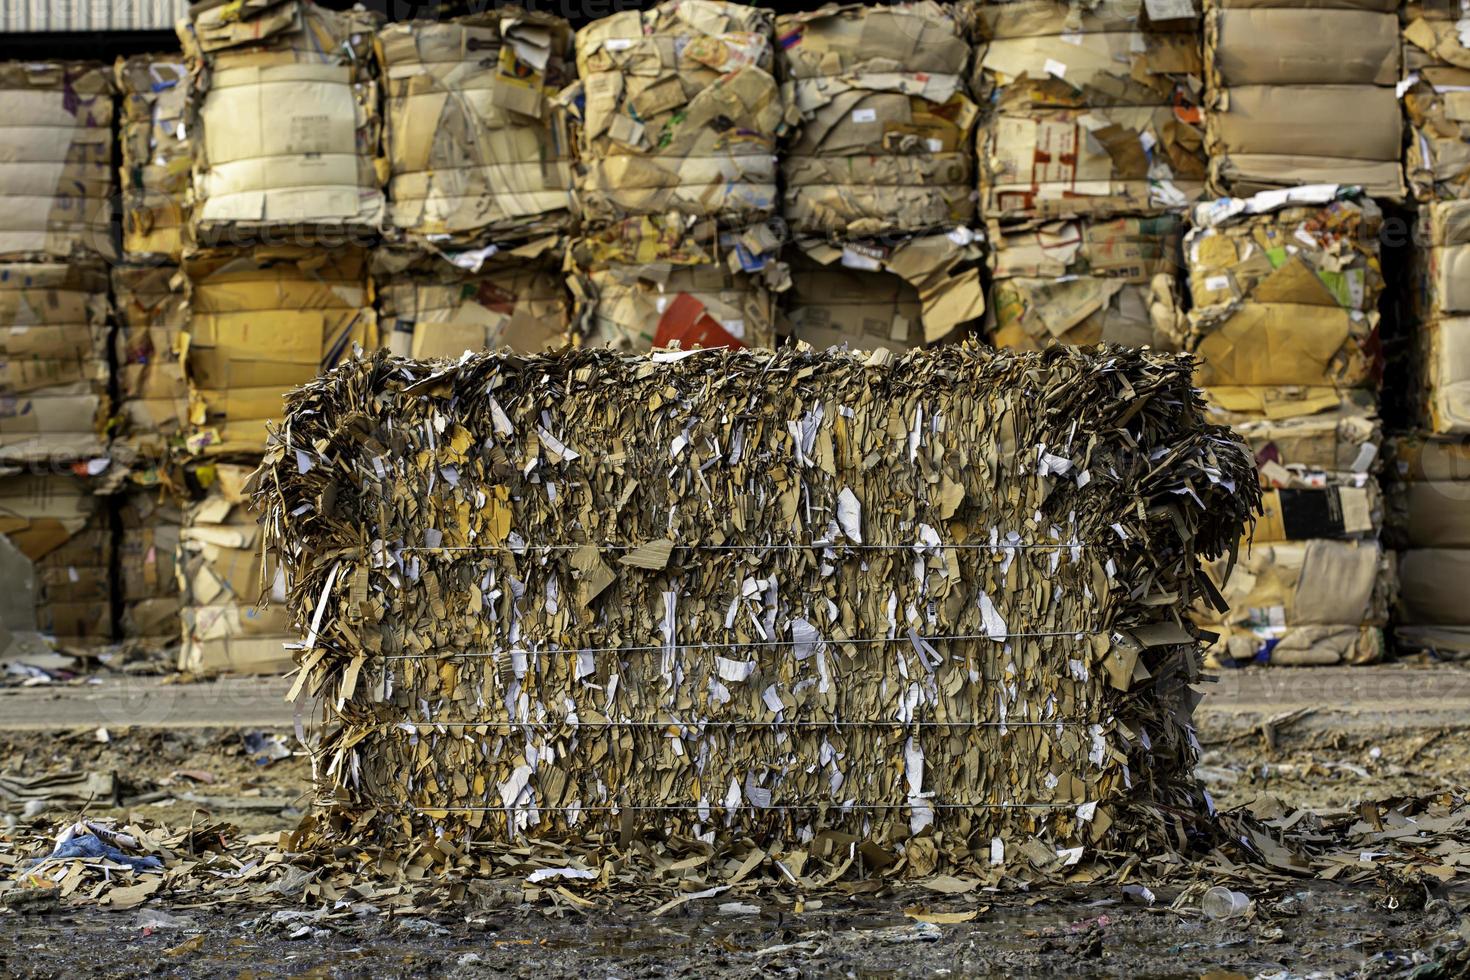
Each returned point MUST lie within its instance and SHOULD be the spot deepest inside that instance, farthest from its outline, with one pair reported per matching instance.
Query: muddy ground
(245, 777)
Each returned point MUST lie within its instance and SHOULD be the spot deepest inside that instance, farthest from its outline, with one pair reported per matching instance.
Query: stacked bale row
(1090, 147)
(1285, 328)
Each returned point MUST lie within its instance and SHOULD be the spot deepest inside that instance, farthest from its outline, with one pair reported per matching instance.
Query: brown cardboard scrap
(883, 146)
(56, 179)
(478, 148)
(284, 117)
(156, 154)
(776, 672)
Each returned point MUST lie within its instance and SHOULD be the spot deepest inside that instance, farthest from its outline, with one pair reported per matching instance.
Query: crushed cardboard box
(1436, 96)
(57, 183)
(479, 149)
(430, 306)
(884, 144)
(917, 608)
(1440, 303)
(1086, 281)
(153, 393)
(1094, 109)
(677, 110)
(888, 293)
(147, 580)
(1284, 109)
(156, 155)
(284, 120)
(232, 614)
(53, 362)
(261, 321)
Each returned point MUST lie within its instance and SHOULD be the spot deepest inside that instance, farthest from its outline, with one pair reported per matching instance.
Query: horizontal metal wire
(794, 723)
(1076, 634)
(775, 546)
(721, 807)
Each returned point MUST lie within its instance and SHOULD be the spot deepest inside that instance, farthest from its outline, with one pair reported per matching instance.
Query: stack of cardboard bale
(480, 183)
(878, 175)
(1090, 147)
(286, 193)
(677, 117)
(1431, 497)
(56, 201)
(1284, 324)
(1302, 92)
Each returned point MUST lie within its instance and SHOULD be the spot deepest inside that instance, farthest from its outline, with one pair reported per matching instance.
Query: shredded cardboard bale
(147, 580)
(156, 155)
(886, 120)
(1285, 109)
(1301, 603)
(153, 393)
(53, 361)
(1094, 109)
(225, 629)
(56, 523)
(1285, 289)
(1436, 95)
(892, 293)
(284, 120)
(659, 281)
(1086, 282)
(260, 321)
(677, 110)
(921, 609)
(479, 150)
(57, 184)
(431, 307)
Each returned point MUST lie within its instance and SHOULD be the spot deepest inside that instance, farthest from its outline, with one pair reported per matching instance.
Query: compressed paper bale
(152, 390)
(148, 581)
(430, 307)
(1302, 603)
(53, 362)
(261, 321)
(55, 522)
(885, 293)
(1339, 510)
(1283, 109)
(57, 185)
(1086, 282)
(1299, 441)
(226, 630)
(1092, 112)
(284, 119)
(884, 145)
(156, 154)
(757, 596)
(479, 150)
(1285, 289)
(678, 111)
(1436, 74)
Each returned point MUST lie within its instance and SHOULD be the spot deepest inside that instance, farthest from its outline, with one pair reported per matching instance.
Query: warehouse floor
(1316, 738)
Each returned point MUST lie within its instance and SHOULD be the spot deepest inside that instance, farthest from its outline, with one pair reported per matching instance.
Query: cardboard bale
(1429, 521)
(226, 629)
(65, 537)
(1285, 289)
(657, 281)
(152, 391)
(1440, 307)
(884, 144)
(677, 110)
(262, 321)
(156, 155)
(53, 361)
(148, 580)
(1094, 111)
(1086, 282)
(1300, 443)
(284, 118)
(885, 294)
(775, 598)
(1285, 109)
(1436, 98)
(1337, 511)
(1302, 603)
(431, 307)
(478, 146)
(56, 173)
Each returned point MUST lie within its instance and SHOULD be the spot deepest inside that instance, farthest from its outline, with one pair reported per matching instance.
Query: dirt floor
(1324, 740)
